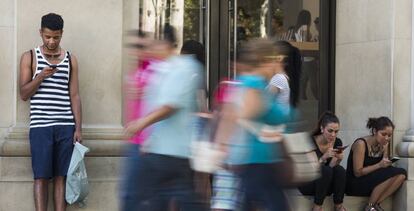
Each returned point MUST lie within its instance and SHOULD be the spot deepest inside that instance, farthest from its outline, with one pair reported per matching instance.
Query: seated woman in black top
(369, 171)
(332, 178)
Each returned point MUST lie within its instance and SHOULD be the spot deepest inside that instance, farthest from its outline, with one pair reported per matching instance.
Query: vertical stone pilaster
(8, 68)
(406, 147)
(404, 198)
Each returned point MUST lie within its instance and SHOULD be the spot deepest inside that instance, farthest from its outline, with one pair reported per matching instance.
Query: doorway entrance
(221, 25)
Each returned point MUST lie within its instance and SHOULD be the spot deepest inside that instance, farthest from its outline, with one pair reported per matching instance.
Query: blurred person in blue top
(227, 193)
(197, 50)
(251, 158)
(165, 169)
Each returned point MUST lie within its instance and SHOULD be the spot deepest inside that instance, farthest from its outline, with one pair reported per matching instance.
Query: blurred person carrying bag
(77, 186)
(300, 163)
(206, 155)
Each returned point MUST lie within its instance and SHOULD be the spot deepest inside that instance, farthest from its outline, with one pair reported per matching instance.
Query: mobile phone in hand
(340, 149)
(53, 66)
(394, 159)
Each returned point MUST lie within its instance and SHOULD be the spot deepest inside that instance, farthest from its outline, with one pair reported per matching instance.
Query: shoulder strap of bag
(256, 128)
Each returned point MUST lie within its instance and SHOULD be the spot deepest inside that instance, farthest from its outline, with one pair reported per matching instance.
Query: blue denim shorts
(51, 149)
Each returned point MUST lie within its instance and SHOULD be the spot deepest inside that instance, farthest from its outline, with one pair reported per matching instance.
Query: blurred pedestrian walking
(164, 170)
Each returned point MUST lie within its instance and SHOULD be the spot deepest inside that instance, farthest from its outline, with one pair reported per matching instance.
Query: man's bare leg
(59, 193)
(40, 190)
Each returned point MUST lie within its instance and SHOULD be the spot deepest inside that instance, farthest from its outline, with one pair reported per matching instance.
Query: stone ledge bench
(299, 202)
(102, 163)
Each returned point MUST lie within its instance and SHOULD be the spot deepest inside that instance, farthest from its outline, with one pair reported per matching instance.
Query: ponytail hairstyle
(379, 124)
(292, 66)
(326, 118)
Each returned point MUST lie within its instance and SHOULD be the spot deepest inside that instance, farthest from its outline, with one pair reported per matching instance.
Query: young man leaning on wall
(49, 78)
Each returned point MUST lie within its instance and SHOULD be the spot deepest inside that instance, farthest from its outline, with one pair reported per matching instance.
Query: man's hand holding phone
(48, 71)
(53, 66)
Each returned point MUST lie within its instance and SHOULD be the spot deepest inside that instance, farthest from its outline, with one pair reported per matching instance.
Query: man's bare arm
(26, 85)
(75, 98)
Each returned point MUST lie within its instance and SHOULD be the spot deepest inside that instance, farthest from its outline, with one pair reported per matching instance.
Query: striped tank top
(50, 105)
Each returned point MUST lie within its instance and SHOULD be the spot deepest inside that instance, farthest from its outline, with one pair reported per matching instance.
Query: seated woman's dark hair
(52, 21)
(379, 123)
(326, 118)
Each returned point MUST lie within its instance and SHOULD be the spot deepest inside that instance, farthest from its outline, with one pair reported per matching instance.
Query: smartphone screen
(53, 66)
(341, 148)
(394, 159)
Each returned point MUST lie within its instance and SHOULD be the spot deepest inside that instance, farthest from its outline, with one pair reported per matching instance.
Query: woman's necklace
(376, 150)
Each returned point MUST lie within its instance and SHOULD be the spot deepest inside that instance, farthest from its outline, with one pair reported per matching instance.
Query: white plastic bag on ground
(77, 187)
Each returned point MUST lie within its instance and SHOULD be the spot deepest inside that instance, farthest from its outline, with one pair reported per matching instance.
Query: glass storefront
(221, 25)
(187, 16)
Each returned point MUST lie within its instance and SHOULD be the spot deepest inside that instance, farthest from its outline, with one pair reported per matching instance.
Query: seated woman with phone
(369, 170)
(329, 150)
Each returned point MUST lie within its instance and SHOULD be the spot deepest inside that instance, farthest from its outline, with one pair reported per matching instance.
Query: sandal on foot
(378, 207)
(370, 207)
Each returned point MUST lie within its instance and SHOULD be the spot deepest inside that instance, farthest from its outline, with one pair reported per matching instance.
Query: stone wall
(93, 31)
(373, 73)
(373, 44)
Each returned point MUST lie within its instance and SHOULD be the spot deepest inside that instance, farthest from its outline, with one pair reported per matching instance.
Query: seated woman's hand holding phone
(394, 159)
(339, 152)
(384, 163)
(330, 152)
(340, 149)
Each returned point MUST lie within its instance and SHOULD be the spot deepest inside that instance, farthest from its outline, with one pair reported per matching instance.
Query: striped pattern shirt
(281, 81)
(50, 105)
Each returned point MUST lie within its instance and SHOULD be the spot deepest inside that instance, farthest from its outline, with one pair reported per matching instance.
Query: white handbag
(301, 150)
(299, 146)
(205, 155)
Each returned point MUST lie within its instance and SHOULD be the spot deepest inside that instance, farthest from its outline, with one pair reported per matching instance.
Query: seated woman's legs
(386, 188)
(338, 185)
(396, 182)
